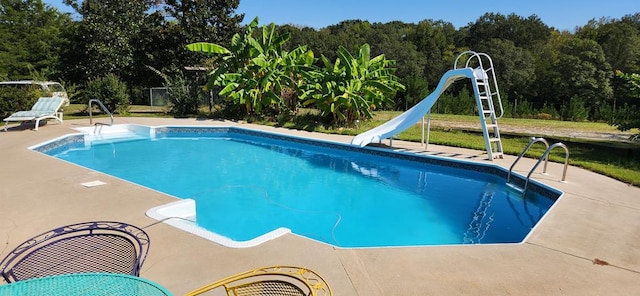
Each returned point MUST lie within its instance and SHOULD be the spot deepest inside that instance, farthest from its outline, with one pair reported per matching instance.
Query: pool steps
(114, 133)
(182, 215)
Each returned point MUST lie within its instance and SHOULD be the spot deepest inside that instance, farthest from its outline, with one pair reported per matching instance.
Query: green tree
(584, 73)
(205, 20)
(545, 60)
(154, 47)
(350, 34)
(571, 67)
(628, 116)
(523, 32)
(31, 35)
(620, 41)
(416, 89)
(190, 21)
(106, 37)
(435, 42)
(391, 39)
(515, 69)
(316, 41)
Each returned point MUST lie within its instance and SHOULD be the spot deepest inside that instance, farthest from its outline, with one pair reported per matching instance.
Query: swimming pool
(241, 187)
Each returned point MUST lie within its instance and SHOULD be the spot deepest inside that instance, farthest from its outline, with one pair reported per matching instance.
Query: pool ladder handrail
(531, 142)
(545, 156)
(104, 109)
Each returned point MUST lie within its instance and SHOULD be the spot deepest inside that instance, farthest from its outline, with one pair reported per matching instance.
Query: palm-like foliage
(255, 72)
(352, 87)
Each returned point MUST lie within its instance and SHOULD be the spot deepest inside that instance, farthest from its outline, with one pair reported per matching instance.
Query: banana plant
(353, 87)
(255, 72)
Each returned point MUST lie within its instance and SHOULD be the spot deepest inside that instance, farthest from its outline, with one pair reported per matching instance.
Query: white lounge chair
(44, 108)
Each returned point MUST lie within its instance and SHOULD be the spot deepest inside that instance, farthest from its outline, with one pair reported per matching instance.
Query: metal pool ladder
(544, 156)
(104, 109)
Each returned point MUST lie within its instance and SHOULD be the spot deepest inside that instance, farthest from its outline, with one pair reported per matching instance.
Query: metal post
(422, 130)
(426, 144)
(151, 97)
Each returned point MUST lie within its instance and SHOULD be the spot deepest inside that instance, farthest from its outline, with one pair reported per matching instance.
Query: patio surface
(597, 220)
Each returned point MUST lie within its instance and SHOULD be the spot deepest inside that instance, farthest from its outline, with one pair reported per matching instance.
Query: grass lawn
(74, 111)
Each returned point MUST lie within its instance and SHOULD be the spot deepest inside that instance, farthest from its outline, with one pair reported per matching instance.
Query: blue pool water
(245, 185)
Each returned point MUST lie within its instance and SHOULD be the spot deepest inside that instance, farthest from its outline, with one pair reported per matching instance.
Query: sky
(560, 14)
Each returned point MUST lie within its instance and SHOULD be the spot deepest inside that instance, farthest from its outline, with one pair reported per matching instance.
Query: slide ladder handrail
(478, 57)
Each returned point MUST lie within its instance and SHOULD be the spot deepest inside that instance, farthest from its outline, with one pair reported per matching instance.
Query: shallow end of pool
(182, 214)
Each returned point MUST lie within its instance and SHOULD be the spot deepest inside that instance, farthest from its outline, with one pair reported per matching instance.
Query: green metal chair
(98, 246)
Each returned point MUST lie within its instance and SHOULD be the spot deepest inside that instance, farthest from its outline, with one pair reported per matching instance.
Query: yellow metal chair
(272, 280)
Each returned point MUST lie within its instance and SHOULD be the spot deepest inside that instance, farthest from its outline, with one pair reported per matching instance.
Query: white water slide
(417, 112)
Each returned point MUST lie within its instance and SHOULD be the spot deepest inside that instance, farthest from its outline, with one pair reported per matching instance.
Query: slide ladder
(478, 67)
(485, 88)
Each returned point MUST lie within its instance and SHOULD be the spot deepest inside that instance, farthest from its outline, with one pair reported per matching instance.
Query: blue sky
(561, 14)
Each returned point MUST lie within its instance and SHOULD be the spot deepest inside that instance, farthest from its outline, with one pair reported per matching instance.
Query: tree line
(542, 72)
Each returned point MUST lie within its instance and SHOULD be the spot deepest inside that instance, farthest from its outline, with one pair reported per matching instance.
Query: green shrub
(523, 109)
(16, 99)
(74, 92)
(603, 112)
(575, 110)
(462, 103)
(507, 106)
(111, 91)
(183, 96)
(550, 110)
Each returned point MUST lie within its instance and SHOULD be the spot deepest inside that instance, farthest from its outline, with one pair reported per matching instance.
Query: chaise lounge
(44, 108)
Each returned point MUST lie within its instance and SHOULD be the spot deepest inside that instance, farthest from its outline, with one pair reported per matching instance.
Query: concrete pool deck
(588, 244)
